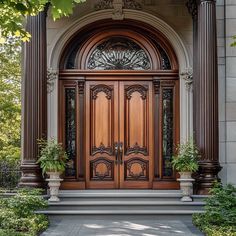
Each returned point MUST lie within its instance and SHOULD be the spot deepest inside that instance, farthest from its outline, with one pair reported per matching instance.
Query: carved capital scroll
(187, 75)
(192, 8)
(52, 76)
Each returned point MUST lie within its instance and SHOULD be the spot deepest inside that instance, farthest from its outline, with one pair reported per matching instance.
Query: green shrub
(219, 218)
(17, 214)
(186, 158)
(52, 156)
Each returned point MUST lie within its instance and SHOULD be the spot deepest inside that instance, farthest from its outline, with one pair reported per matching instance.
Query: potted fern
(52, 160)
(186, 162)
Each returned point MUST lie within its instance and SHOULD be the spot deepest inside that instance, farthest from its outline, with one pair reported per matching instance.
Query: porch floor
(122, 213)
(70, 227)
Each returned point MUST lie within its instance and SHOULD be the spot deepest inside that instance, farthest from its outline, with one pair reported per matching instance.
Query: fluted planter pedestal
(186, 185)
(54, 183)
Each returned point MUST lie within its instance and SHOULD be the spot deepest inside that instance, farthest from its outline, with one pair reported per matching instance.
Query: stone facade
(175, 14)
(229, 171)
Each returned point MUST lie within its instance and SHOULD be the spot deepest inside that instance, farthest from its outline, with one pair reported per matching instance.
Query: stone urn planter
(186, 162)
(52, 160)
(186, 185)
(54, 183)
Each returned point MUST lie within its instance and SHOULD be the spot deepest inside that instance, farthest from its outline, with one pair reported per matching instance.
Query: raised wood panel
(136, 105)
(136, 132)
(101, 169)
(101, 134)
(136, 169)
(102, 119)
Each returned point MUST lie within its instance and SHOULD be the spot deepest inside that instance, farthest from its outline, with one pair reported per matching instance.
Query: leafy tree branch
(13, 13)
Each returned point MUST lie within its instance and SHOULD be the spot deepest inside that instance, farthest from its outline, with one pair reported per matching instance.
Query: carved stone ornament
(52, 76)
(131, 4)
(118, 6)
(187, 75)
(103, 4)
(192, 8)
(117, 13)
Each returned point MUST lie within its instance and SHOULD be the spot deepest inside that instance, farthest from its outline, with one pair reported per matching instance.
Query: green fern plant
(186, 158)
(52, 156)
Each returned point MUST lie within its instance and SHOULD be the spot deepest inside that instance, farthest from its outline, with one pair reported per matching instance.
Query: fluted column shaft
(207, 93)
(34, 100)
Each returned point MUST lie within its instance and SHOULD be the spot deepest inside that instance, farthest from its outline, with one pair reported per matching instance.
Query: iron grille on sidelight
(70, 131)
(167, 130)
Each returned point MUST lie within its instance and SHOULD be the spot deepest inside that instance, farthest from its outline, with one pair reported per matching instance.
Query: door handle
(116, 149)
(121, 152)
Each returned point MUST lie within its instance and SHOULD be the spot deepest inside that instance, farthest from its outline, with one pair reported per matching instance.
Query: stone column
(207, 96)
(192, 7)
(34, 100)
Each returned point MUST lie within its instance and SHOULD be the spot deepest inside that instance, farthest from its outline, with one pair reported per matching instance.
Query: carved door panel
(136, 134)
(101, 134)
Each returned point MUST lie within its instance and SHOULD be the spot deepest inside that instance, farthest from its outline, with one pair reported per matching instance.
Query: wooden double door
(119, 134)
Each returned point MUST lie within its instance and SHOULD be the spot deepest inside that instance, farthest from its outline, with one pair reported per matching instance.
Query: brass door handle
(116, 150)
(121, 152)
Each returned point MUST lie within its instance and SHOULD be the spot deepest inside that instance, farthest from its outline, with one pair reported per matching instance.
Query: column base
(207, 175)
(31, 176)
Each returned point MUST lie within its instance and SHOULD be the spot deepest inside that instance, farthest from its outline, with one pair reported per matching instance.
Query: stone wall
(230, 74)
(175, 13)
(220, 11)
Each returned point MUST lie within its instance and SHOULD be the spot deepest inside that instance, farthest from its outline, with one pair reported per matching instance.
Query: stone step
(125, 205)
(124, 195)
(120, 214)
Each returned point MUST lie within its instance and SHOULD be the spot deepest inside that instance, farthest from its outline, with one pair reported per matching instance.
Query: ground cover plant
(17, 213)
(219, 218)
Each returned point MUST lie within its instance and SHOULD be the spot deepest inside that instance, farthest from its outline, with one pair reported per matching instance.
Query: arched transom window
(118, 53)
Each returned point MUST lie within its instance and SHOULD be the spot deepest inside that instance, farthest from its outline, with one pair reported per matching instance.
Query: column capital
(192, 8)
(202, 1)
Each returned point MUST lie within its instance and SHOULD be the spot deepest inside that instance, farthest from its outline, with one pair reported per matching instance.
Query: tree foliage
(13, 13)
(10, 103)
(12, 21)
